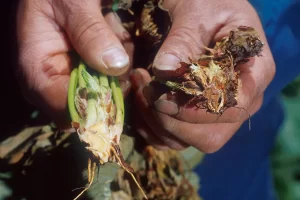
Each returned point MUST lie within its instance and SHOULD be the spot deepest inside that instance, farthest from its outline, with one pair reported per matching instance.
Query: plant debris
(148, 23)
(212, 82)
(146, 26)
(36, 151)
(162, 174)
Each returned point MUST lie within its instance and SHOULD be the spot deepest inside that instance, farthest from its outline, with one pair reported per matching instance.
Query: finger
(139, 79)
(91, 36)
(207, 138)
(116, 26)
(142, 128)
(187, 37)
(196, 115)
(123, 35)
(114, 22)
(44, 65)
(177, 134)
(254, 77)
(167, 138)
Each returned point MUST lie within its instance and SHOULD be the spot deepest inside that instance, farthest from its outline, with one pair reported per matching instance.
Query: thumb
(92, 37)
(186, 38)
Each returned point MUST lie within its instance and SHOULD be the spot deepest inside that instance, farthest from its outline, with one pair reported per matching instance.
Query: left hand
(196, 23)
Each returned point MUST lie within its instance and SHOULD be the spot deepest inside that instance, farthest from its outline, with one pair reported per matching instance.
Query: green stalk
(96, 78)
(91, 110)
(80, 78)
(103, 79)
(81, 81)
(90, 82)
(118, 99)
(173, 85)
(71, 95)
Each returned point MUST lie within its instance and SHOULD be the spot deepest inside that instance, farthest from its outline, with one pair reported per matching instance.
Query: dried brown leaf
(212, 82)
(162, 174)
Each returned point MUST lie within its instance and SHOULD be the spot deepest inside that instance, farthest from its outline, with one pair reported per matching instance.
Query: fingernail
(167, 107)
(115, 58)
(167, 62)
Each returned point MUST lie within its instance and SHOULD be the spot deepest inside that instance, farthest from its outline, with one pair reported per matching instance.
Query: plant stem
(103, 79)
(71, 95)
(91, 110)
(81, 67)
(96, 78)
(118, 99)
(90, 83)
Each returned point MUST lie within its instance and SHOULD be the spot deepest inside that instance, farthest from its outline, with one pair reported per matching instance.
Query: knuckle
(68, 7)
(185, 39)
(83, 21)
(183, 33)
(87, 30)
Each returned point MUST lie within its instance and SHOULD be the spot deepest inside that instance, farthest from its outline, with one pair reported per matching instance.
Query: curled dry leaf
(26, 143)
(212, 82)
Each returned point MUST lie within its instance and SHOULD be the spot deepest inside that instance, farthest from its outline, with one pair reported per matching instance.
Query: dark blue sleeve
(281, 22)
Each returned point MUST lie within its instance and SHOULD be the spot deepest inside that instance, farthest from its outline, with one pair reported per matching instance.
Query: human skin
(197, 23)
(49, 29)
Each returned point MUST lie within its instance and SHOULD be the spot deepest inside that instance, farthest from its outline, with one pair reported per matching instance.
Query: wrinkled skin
(49, 29)
(197, 23)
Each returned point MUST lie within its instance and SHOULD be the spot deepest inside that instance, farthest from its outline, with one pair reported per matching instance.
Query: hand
(48, 30)
(196, 23)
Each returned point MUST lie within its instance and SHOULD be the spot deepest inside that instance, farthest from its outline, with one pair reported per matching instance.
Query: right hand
(48, 30)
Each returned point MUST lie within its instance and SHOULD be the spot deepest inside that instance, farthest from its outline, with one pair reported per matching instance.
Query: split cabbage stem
(96, 107)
